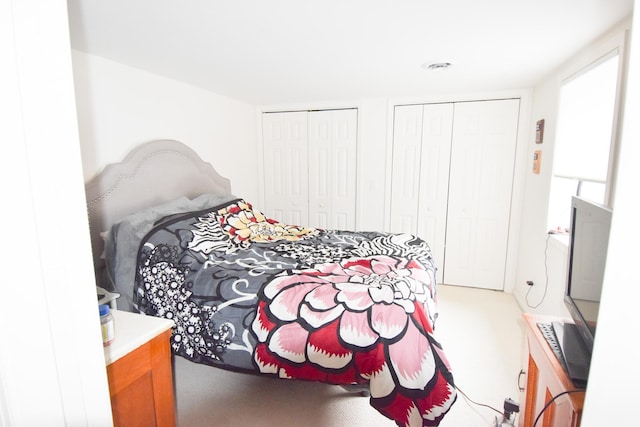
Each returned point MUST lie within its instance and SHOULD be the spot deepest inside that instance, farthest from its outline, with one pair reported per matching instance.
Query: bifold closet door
(452, 174)
(332, 168)
(310, 167)
(421, 153)
(405, 175)
(285, 147)
(480, 186)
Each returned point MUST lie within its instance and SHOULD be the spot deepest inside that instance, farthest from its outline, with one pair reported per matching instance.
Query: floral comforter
(251, 294)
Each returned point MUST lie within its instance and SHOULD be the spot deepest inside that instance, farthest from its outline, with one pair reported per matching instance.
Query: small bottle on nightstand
(106, 323)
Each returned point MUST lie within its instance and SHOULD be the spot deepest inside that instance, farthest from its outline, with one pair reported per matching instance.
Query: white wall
(542, 259)
(120, 107)
(52, 369)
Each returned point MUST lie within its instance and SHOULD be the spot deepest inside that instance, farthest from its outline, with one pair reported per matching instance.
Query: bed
(248, 293)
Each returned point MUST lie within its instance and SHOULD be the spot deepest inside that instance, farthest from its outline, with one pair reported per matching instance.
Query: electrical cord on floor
(546, 406)
(469, 400)
(546, 274)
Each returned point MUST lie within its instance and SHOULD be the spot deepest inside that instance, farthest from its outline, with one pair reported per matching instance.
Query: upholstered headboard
(151, 174)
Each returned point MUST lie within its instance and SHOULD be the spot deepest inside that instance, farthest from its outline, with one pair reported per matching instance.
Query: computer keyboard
(552, 340)
(576, 364)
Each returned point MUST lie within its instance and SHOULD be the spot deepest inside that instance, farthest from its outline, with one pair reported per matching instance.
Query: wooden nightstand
(139, 371)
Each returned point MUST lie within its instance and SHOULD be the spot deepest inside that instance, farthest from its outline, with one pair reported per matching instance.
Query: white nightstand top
(131, 330)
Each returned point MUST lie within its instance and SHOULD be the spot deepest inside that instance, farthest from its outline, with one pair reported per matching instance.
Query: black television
(588, 244)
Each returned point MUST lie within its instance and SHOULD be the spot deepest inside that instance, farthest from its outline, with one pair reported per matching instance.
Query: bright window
(584, 139)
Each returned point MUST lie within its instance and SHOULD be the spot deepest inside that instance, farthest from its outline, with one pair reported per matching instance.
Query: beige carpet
(481, 332)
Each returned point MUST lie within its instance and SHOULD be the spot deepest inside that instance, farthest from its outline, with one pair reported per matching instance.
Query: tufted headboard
(151, 174)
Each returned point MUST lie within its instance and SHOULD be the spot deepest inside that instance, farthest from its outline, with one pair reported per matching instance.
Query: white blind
(585, 122)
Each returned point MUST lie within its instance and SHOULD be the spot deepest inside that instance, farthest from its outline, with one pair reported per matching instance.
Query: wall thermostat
(537, 156)
(539, 131)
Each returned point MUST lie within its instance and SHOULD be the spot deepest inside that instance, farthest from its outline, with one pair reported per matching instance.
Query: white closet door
(405, 175)
(285, 166)
(421, 151)
(434, 179)
(481, 177)
(332, 173)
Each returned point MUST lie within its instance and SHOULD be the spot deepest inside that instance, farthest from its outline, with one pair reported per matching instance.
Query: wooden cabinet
(310, 167)
(139, 371)
(452, 179)
(546, 379)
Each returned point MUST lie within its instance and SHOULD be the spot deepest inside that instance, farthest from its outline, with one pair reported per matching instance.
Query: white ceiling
(267, 52)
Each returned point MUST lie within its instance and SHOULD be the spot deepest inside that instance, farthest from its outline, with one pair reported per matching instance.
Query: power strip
(510, 407)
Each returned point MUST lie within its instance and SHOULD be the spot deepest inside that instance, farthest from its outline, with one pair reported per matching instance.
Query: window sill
(560, 241)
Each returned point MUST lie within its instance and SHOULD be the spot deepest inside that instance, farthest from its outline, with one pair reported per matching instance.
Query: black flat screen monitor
(589, 240)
